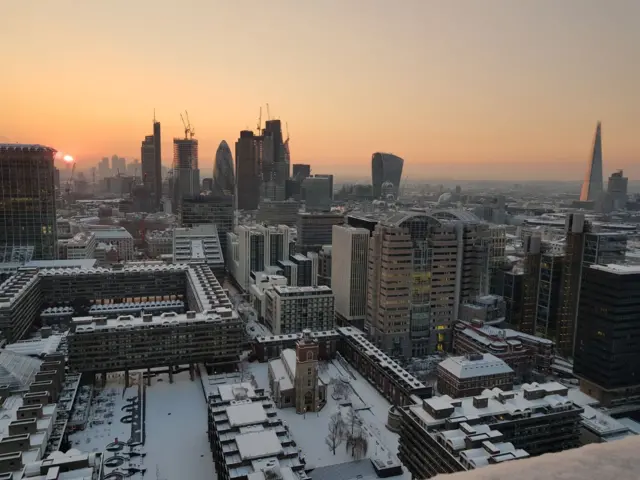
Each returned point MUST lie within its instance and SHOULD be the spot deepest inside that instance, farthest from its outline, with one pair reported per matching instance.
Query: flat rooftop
(283, 290)
(91, 323)
(618, 269)
(472, 366)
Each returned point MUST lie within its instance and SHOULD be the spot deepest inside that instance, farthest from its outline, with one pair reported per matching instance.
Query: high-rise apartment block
(294, 309)
(325, 259)
(607, 352)
(349, 267)
(27, 203)
(248, 170)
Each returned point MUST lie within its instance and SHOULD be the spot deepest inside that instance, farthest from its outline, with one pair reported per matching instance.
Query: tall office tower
(275, 169)
(547, 307)
(118, 165)
(575, 229)
(316, 193)
(531, 279)
(592, 186)
(389, 290)
(209, 209)
(149, 172)
(349, 266)
(385, 167)
(157, 144)
(315, 230)
(223, 176)
(607, 353)
(330, 179)
(617, 189)
(104, 170)
(300, 171)
(27, 203)
(248, 170)
(186, 175)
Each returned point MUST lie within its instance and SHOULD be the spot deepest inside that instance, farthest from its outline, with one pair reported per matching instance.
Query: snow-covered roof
(17, 370)
(258, 444)
(35, 347)
(246, 413)
(471, 366)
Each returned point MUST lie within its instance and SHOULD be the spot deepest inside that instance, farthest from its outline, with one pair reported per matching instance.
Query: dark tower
(157, 147)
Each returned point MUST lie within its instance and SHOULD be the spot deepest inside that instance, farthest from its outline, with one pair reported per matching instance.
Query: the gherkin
(223, 176)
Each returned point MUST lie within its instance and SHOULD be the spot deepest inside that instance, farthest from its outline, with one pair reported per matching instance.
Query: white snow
(246, 414)
(310, 431)
(258, 444)
(176, 443)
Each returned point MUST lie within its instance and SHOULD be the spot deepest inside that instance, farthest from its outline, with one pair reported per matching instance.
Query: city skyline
(509, 92)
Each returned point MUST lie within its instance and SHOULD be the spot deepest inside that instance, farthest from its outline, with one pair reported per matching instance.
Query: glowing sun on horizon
(67, 158)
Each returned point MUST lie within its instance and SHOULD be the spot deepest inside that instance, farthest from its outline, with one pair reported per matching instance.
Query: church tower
(306, 378)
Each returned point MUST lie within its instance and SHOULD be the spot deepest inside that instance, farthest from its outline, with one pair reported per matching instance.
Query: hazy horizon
(495, 90)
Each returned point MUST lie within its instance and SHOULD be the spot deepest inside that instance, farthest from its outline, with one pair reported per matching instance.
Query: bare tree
(355, 435)
(243, 369)
(336, 432)
(341, 389)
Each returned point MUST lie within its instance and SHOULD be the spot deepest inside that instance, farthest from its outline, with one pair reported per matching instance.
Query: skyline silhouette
(469, 90)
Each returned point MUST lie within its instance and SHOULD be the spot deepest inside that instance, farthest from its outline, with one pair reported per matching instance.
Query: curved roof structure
(17, 370)
(385, 167)
(223, 174)
(461, 215)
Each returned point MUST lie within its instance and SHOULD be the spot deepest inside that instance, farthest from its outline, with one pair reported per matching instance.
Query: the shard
(593, 184)
(223, 176)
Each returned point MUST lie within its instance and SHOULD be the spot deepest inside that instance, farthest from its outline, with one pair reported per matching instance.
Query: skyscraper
(223, 176)
(385, 167)
(350, 247)
(27, 202)
(248, 172)
(592, 186)
(617, 189)
(186, 175)
(275, 166)
(150, 152)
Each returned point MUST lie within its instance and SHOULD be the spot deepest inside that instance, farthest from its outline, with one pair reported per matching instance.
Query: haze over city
(462, 89)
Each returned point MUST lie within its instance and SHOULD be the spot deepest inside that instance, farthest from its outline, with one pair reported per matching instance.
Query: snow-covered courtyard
(175, 428)
(310, 431)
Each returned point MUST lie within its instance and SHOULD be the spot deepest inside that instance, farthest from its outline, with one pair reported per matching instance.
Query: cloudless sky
(465, 88)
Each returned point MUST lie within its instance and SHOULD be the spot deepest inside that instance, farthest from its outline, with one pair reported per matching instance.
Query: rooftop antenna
(154, 115)
(268, 113)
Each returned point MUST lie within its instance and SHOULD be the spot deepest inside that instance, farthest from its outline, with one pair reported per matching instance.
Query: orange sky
(462, 88)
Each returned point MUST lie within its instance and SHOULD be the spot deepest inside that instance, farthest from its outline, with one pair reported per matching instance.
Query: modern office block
(607, 353)
(293, 309)
(27, 202)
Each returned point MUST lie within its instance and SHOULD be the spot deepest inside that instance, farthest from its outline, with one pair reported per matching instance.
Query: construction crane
(287, 125)
(67, 189)
(188, 129)
(260, 121)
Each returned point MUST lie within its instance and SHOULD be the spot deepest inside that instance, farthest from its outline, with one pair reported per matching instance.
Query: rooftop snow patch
(258, 444)
(246, 414)
(236, 391)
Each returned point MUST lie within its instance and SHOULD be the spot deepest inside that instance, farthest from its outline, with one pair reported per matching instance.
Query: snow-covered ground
(177, 442)
(176, 445)
(310, 431)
